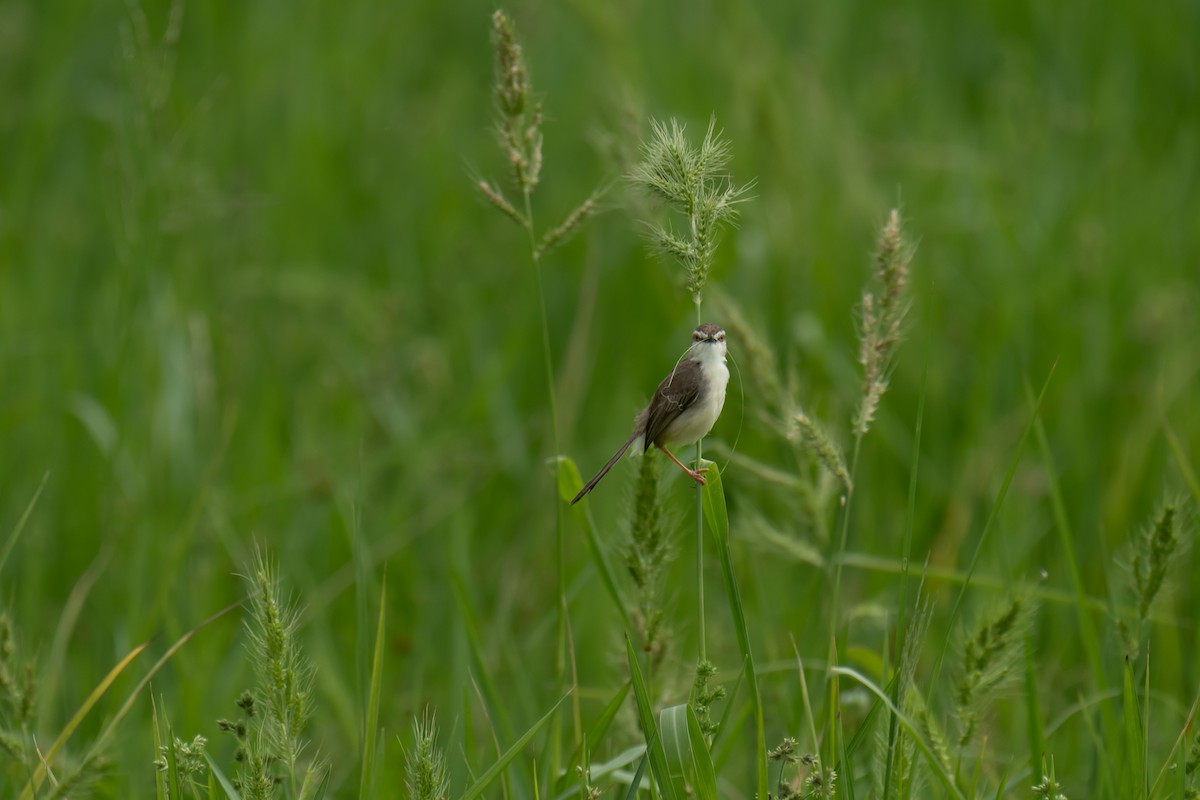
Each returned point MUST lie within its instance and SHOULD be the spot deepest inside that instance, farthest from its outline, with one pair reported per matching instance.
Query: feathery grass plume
(18, 690)
(519, 130)
(520, 119)
(882, 316)
(932, 733)
(990, 656)
(1191, 770)
(285, 675)
(814, 439)
(1049, 788)
(693, 182)
(555, 236)
(1153, 550)
(424, 764)
(646, 554)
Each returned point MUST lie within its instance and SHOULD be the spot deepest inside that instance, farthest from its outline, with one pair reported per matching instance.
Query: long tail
(587, 487)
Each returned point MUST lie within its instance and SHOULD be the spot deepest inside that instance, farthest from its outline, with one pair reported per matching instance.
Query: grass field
(252, 302)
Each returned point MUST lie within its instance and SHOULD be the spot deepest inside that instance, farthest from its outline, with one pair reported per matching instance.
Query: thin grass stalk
(560, 650)
(987, 527)
(700, 536)
(843, 534)
(906, 551)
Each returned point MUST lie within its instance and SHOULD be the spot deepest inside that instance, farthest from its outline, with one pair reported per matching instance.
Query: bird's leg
(695, 474)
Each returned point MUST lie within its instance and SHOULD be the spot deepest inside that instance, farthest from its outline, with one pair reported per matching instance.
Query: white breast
(698, 420)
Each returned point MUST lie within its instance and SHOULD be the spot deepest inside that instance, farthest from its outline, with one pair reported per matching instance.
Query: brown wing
(674, 395)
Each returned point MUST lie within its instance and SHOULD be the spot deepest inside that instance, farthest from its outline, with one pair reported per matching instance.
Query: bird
(685, 406)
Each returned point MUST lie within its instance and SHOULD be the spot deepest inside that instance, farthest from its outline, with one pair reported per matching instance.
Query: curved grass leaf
(226, 784)
(718, 522)
(495, 770)
(938, 769)
(659, 766)
(569, 484)
(372, 722)
(39, 775)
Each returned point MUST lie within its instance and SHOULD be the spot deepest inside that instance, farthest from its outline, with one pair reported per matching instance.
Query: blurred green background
(249, 294)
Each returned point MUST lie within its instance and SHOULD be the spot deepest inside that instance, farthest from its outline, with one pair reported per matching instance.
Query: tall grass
(245, 285)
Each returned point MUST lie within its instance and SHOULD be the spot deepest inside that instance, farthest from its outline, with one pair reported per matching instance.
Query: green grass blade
(160, 786)
(936, 767)
(15, 536)
(372, 723)
(225, 783)
(672, 727)
(687, 752)
(39, 775)
(491, 695)
(597, 732)
(569, 484)
(1087, 631)
(637, 777)
(808, 711)
(1033, 715)
(705, 776)
(1013, 463)
(910, 513)
(1177, 451)
(172, 765)
(1135, 762)
(659, 766)
(1169, 765)
(718, 522)
(495, 770)
(324, 787)
(111, 727)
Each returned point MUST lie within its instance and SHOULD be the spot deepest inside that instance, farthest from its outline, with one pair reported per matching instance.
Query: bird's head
(708, 340)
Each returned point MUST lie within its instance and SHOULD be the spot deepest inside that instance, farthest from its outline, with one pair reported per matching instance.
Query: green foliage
(250, 291)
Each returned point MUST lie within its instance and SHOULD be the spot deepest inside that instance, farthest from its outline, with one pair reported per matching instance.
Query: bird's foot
(696, 476)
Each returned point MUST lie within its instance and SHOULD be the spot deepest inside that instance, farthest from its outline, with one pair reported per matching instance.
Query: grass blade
(1135, 771)
(495, 770)
(938, 769)
(1177, 451)
(659, 766)
(225, 783)
(172, 765)
(1013, 463)
(637, 777)
(687, 752)
(1087, 631)
(705, 776)
(39, 775)
(13, 537)
(718, 522)
(569, 484)
(598, 730)
(372, 723)
(160, 787)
